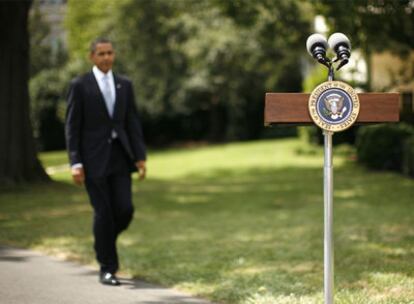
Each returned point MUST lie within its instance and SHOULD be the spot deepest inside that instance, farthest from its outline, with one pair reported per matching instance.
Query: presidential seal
(334, 106)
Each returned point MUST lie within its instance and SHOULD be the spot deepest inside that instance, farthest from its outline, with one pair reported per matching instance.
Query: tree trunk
(18, 160)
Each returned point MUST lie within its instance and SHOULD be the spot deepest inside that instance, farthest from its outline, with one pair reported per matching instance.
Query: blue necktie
(106, 92)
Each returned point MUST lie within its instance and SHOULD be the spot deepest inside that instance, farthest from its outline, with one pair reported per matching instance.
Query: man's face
(103, 56)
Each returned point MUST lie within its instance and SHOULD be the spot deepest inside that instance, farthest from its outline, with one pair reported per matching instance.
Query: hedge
(382, 147)
(408, 157)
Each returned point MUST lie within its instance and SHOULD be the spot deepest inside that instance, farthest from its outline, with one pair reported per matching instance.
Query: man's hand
(142, 169)
(78, 176)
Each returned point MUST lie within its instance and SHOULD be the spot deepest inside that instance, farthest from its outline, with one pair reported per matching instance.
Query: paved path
(28, 277)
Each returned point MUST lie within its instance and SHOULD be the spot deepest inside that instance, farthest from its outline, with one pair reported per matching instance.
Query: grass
(239, 223)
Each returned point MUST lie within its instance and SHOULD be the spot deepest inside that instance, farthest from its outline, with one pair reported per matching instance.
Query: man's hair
(92, 47)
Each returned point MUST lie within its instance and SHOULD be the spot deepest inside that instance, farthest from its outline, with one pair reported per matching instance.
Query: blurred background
(201, 68)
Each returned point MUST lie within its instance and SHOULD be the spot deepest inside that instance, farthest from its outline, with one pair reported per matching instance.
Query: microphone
(341, 46)
(316, 45)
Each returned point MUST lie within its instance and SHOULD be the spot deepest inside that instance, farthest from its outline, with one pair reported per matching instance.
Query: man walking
(105, 144)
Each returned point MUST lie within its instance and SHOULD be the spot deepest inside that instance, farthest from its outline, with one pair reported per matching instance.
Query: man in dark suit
(105, 144)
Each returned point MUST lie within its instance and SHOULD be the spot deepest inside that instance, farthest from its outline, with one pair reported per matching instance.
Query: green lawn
(239, 223)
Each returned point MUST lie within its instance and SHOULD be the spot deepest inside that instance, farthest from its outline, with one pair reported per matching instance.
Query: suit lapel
(118, 89)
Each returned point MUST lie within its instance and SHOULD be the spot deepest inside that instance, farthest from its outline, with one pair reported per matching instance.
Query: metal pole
(328, 214)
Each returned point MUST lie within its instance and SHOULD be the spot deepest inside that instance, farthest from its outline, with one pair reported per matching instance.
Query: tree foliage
(40, 52)
(200, 68)
(47, 82)
(373, 25)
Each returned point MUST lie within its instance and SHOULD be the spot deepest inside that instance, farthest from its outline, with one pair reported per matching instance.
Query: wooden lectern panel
(292, 108)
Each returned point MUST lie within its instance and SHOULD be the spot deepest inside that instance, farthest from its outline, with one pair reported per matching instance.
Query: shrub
(408, 157)
(381, 146)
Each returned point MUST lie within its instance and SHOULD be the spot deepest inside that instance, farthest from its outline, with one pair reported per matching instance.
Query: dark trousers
(111, 199)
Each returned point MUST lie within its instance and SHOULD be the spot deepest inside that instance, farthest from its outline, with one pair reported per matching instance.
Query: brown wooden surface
(292, 108)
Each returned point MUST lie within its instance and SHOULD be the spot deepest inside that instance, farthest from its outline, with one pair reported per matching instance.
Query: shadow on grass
(229, 233)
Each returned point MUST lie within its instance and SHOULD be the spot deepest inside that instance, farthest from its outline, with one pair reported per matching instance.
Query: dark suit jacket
(89, 127)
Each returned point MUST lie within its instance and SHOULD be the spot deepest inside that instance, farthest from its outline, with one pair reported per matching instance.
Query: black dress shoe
(108, 278)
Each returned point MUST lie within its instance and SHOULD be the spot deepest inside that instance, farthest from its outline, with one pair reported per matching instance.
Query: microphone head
(337, 39)
(315, 40)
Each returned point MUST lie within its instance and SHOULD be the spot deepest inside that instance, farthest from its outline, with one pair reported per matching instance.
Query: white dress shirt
(99, 76)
